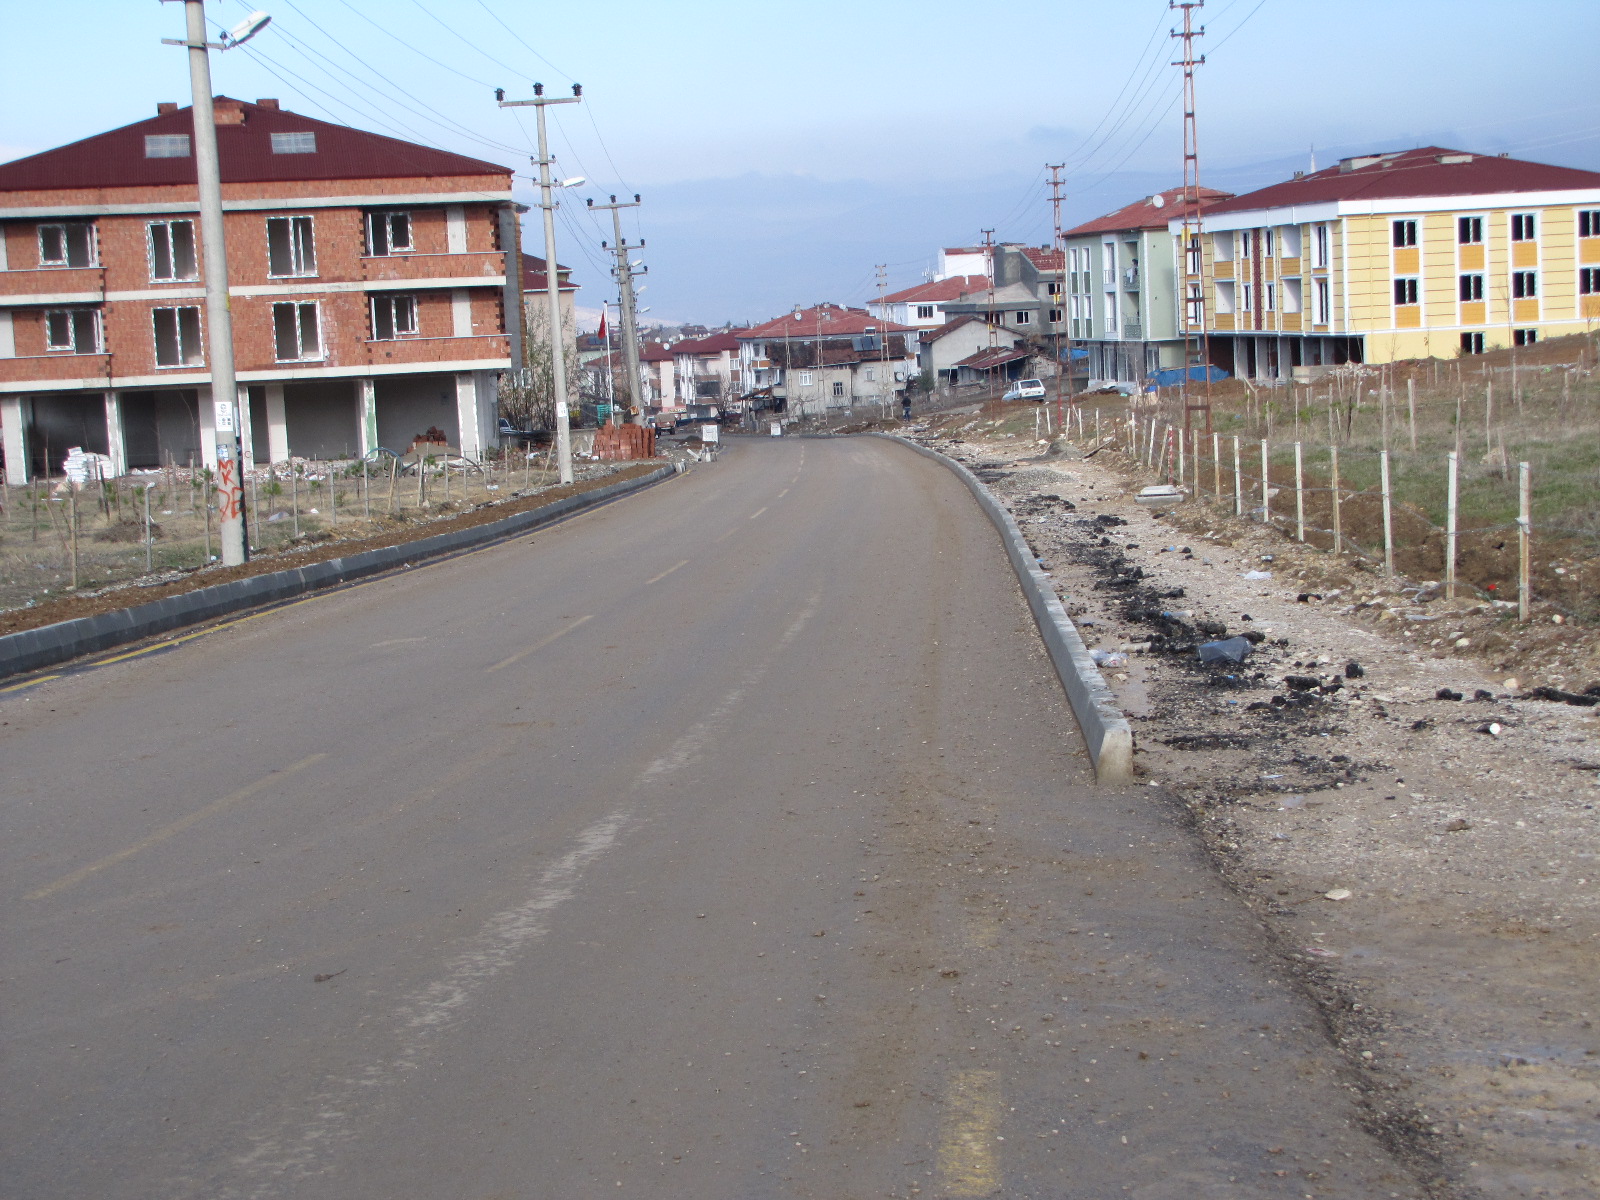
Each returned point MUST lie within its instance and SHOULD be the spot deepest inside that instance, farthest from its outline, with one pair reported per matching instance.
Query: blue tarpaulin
(1173, 376)
(1076, 353)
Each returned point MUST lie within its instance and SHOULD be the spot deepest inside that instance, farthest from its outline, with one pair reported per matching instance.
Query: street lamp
(219, 317)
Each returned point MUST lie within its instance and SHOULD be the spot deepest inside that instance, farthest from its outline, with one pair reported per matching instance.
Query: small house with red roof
(368, 281)
(923, 306)
(1419, 253)
(707, 369)
(827, 357)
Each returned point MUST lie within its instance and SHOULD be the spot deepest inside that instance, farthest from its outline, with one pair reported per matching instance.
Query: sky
(783, 151)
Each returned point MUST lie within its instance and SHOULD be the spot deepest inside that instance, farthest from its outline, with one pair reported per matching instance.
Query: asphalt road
(731, 841)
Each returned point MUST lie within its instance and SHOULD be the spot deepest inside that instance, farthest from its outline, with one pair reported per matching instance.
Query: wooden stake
(1452, 487)
(1299, 495)
(72, 493)
(1238, 480)
(1411, 407)
(1388, 522)
(1524, 540)
(149, 540)
(1266, 489)
(1338, 527)
(1216, 465)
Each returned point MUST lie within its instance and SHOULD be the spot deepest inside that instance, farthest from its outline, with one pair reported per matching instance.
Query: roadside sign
(709, 433)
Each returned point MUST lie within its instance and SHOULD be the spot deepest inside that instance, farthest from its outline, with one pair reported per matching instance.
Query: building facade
(922, 306)
(827, 357)
(368, 282)
(1122, 288)
(1421, 253)
(707, 369)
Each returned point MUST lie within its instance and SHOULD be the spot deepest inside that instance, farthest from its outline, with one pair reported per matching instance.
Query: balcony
(1110, 274)
(423, 350)
(1130, 279)
(421, 268)
(1132, 331)
(52, 285)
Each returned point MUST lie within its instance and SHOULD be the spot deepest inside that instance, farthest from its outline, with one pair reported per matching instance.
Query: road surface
(731, 841)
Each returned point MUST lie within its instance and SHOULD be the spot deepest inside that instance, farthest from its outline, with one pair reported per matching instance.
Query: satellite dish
(246, 29)
(1158, 201)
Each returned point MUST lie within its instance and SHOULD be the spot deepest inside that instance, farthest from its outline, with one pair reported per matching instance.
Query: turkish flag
(602, 333)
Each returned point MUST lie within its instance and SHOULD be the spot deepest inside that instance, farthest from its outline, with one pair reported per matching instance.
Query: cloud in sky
(783, 151)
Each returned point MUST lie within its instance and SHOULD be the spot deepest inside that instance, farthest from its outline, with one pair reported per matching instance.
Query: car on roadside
(1025, 389)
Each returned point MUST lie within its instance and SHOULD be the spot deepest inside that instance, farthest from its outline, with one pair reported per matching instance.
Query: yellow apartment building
(1414, 254)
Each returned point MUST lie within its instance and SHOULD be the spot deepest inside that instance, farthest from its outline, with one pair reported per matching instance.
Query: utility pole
(883, 342)
(624, 274)
(219, 316)
(988, 264)
(552, 275)
(1059, 244)
(1191, 260)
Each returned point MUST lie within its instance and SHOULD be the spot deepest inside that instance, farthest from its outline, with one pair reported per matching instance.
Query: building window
(1196, 303)
(1226, 296)
(296, 332)
(1472, 287)
(1247, 297)
(1319, 246)
(393, 317)
(1293, 299)
(1472, 343)
(294, 143)
(68, 244)
(838, 389)
(72, 331)
(388, 233)
(1246, 241)
(1055, 316)
(1524, 337)
(1269, 241)
(870, 374)
(291, 246)
(1524, 285)
(1589, 222)
(1589, 281)
(1024, 317)
(1194, 254)
(1269, 297)
(177, 333)
(1405, 233)
(1405, 291)
(1522, 227)
(1053, 288)
(1469, 232)
(924, 312)
(172, 253)
(166, 145)
(805, 378)
(1321, 302)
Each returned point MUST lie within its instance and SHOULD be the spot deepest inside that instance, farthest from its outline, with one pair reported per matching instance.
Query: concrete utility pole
(883, 341)
(1191, 255)
(625, 275)
(219, 316)
(558, 362)
(1064, 326)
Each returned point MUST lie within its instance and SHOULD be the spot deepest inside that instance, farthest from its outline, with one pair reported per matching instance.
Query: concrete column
(367, 414)
(277, 424)
(467, 414)
(14, 431)
(208, 429)
(116, 444)
(247, 447)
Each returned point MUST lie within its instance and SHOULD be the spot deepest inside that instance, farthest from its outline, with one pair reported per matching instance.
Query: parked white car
(1025, 389)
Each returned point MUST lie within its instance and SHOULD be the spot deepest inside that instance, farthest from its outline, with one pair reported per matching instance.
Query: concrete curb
(1105, 729)
(48, 645)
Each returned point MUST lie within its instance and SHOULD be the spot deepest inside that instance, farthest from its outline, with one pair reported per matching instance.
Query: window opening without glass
(177, 333)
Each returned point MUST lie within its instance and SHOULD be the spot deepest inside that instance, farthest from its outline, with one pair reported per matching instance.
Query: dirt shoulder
(1427, 867)
(374, 535)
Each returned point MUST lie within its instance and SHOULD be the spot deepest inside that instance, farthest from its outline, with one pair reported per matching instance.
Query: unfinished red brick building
(368, 279)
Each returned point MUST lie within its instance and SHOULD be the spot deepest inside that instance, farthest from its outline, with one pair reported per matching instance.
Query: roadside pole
(219, 315)
(552, 275)
(625, 303)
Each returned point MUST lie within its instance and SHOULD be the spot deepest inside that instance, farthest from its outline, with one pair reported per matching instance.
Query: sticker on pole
(225, 422)
(708, 433)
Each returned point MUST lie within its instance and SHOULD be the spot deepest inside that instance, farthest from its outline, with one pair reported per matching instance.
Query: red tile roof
(1147, 214)
(995, 356)
(830, 319)
(1045, 258)
(1426, 171)
(656, 352)
(715, 344)
(534, 278)
(939, 289)
(117, 158)
(950, 326)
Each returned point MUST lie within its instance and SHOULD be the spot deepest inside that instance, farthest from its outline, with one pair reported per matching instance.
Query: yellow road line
(667, 572)
(17, 687)
(539, 645)
(758, 512)
(173, 829)
(967, 1161)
